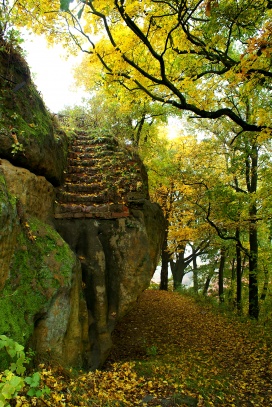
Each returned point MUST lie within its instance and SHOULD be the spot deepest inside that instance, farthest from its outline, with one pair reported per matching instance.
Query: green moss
(7, 206)
(38, 269)
(28, 120)
(36, 126)
(52, 245)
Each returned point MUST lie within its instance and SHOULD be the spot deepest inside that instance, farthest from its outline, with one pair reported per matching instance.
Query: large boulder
(35, 193)
(62, 296)
(40, 277)
(29, 135)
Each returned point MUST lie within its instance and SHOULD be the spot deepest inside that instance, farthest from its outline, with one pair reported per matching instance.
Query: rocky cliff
(30, 137)
(73, 259)
(40, 277)
(104, 214)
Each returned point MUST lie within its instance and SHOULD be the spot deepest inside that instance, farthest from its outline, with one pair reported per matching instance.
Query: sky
(52, 73)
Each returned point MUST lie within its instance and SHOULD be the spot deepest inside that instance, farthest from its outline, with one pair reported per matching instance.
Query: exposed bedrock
(30, 137)
(118, 258)
(41, 299)
(79, 238)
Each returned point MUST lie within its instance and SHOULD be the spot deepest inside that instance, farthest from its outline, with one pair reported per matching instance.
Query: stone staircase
(100, 181)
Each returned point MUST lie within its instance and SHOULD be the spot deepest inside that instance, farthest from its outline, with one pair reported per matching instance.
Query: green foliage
(65, 4)
(13, 380)
(8, 32)
(17, 148)
(108, 114)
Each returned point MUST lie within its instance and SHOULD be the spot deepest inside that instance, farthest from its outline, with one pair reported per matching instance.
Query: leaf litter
(171, 351)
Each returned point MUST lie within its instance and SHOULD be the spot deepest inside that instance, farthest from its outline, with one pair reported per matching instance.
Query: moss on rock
(39, 269)
(26, 123)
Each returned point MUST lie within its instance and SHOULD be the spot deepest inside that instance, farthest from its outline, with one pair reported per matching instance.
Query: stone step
(93, 160)
(104, 182)
(76, 208)
(84, 141)
(76, 162)
(81, 170)
(82, 188)
(83, 178)
(90, 155)
(70, 197)
(106, 177)
(77, 148)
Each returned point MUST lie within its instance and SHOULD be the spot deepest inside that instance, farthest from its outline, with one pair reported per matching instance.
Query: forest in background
(206, 63)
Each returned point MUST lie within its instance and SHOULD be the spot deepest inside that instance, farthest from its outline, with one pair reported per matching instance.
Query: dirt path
(211, 357)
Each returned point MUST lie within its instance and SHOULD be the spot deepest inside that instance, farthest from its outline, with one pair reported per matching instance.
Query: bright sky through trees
(52, 73)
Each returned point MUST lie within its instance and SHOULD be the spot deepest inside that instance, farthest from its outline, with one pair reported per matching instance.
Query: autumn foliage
(171, 351)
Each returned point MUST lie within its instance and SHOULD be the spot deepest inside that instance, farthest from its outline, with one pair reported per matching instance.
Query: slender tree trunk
(166, 203)
(231, 300)
(207, 283)
(165, 260)
(265, 286)
(253, 309)
(252, 177)
(195, 274)
(238, 274)
(266, 280)
(221, 275)
(139, 131)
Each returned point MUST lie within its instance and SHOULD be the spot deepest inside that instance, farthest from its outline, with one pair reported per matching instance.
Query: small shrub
(13, 379)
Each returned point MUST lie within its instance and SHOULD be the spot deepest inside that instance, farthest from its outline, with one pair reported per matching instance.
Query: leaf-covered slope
(170, 351)
(200, 353)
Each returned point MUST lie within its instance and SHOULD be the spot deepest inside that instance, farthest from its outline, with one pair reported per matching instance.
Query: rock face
(40, 277)
(118, 258)
(114, 230)
(8, 230)
(64, 299)
(29, 136)
(73, 259)
(36, 194)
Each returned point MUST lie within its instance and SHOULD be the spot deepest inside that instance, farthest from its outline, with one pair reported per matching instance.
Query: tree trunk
(221, 275)
(206, 285)
(231, 300)
(238, 274)
(195, 274)
(139, 131)
(251, 178)
(164, 268)
(253, 297)
(178, 269)
(166, 203)
(265, 286)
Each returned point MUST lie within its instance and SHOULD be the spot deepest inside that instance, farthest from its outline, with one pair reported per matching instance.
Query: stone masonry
(101, 180)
